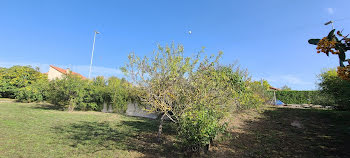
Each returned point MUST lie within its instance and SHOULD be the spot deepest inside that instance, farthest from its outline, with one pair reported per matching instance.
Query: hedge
(297, 97)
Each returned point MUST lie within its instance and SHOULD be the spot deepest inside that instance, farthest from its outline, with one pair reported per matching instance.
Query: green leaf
(331, 35)
(314, 41)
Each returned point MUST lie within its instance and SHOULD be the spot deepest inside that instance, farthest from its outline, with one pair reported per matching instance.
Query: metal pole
(92, 54)
(330, 22)
(274, 97)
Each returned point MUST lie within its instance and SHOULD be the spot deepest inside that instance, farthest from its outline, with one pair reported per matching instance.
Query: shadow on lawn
(47, 106)
(137, 135)
(322, 133)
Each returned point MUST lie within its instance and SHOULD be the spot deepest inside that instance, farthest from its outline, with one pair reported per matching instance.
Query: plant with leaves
(118, 92)
(180, 87)
(98, 93)
(69, 92)
(35, 92)
(337, 88)
(16, 77)
(286, 88)
(211, 94)
(198, 128)
(159, 82)
(337, 44)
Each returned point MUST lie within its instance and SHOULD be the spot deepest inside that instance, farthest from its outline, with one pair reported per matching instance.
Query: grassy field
(37, 130)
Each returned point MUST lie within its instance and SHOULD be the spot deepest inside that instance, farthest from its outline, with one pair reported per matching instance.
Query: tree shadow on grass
(136, 135)
(46, 106)
(94, 135)
(285, 132)
(147, 141)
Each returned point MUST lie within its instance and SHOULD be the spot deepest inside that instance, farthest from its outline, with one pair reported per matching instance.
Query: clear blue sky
(268, 37)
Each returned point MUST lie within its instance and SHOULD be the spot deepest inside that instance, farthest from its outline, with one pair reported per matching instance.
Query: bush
(321, 98)
(254, 96)
(246, 93)
(198, 128)
(35, 92)
(16, 77)
(69, 92)
(72, 92)
(296, 97)
(118, 91)
(334, 87)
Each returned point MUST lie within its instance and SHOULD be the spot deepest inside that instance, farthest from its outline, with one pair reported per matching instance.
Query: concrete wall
(53, 74)
(135, 110)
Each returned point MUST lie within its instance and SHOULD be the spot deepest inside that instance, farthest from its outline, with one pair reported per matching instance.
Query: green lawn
(32, 130)
(36, 130)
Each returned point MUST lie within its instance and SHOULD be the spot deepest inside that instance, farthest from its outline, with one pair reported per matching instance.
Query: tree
(286, 88)
(337, 88)
(16, 77)
(118, 90)
(264, 84)
(338, 46)
(69, 92)
(35, 92)
(181, 88)
(160, 82)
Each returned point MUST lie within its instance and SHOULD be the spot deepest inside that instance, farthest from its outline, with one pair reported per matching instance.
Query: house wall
(135, 110)
(53, 74)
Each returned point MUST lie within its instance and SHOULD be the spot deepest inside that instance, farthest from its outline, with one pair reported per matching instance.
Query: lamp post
(330, 22)
(92, 54)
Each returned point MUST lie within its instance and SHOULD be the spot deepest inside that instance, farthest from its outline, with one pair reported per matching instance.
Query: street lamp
(92, 54)
(330, 22)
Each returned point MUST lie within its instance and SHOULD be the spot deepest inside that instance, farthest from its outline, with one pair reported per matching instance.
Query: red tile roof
(273, 88)
(64, 71)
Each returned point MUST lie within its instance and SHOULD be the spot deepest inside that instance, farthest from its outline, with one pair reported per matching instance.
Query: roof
(64, 71)
(273, 88)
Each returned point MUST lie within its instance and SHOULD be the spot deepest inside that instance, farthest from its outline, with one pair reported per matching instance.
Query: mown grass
(33, 130)
(37, 130)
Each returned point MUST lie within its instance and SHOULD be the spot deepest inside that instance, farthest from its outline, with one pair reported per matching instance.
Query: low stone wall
(135, 110)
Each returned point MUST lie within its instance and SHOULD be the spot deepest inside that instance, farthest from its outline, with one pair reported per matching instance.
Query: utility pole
(92, 54)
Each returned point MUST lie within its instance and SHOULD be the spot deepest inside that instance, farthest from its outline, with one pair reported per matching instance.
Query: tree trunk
(160, 128)
(104, 107)
(110, 109)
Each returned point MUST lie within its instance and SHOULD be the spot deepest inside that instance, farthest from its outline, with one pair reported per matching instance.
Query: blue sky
(268, 37)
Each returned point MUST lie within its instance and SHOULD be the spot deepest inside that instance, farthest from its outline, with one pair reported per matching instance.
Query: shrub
(255, 95)
(72, 92)
(198, 128)
(296, 97)
(118, 91)
(35, 92)
(16, 77)
(69, 92)
(335, 87)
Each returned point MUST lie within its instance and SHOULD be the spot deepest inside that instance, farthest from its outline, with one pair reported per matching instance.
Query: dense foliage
(194, 92)
(119, 93)
(336, 88)
(73, 92)
(296, 97)
(14, 78)
(35, 92)
(337, 44)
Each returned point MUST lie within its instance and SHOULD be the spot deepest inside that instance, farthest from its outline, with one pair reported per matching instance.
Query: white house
(58, 73)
